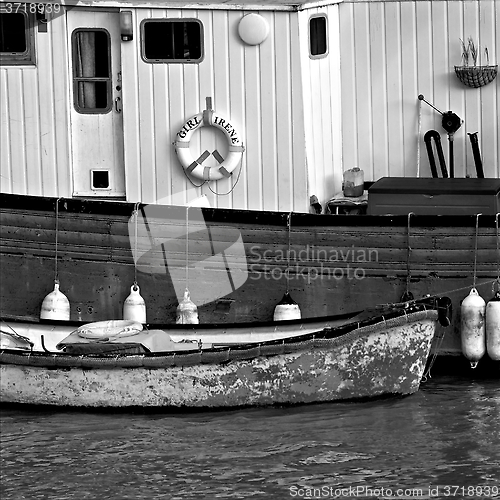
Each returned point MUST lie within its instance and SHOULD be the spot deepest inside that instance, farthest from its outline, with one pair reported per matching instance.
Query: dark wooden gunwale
(224, 215)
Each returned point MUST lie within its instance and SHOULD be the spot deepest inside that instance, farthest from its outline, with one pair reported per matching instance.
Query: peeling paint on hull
(387, 361)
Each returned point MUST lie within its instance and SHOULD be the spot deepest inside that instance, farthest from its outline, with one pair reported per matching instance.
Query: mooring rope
(408, 256)
(187, 247)
(419, 135)
(498, 254)
(446, 292)
(136, 211)
(56, 277)
(475, 249)
(232, 187)
(427, 373)
(287, 273)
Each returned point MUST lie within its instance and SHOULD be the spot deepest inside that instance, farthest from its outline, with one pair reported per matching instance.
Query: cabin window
(318, 41)
(91, 70)
(172, 40)
(16, 37)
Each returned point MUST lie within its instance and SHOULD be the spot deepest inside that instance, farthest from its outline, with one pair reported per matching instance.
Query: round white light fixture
(253, 29)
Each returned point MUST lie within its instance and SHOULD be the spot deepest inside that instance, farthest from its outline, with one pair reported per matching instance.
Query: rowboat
(377, 353)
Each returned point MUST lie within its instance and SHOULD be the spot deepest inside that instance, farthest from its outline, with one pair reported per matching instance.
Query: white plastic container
(354, 181)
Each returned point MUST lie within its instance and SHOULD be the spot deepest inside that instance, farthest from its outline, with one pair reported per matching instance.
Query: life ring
(109, 329)
(195, 167)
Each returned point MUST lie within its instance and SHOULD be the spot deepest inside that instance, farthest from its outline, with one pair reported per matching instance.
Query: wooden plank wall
(258, 88)
(392, 51)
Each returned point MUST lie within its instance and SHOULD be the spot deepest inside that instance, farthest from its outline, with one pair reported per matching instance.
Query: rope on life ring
(195, 167)
(109, 329)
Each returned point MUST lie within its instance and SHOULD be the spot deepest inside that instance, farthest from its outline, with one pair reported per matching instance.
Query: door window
(91, 70)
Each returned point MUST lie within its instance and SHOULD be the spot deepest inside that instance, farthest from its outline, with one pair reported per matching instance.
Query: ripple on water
(448, 433)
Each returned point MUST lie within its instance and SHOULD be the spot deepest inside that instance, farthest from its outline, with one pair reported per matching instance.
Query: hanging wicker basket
(476, 76)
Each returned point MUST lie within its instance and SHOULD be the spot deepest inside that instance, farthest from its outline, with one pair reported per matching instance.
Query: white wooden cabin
(93, 93)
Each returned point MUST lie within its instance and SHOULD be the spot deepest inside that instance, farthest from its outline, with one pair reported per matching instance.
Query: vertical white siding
(34, 143)
(258, 88)
(303, 120)
(393, 51)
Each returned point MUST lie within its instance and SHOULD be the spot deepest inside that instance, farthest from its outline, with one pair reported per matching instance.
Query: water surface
(446, 435)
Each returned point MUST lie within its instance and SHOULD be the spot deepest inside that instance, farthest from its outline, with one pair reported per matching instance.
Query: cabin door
(96, 111)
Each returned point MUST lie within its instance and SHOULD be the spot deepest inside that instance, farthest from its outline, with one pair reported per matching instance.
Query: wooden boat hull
(383, 357)
(339, 263)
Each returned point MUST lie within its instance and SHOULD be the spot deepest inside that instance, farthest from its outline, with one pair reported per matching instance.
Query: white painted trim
(318, 4)
(246, 5)
(277, 5)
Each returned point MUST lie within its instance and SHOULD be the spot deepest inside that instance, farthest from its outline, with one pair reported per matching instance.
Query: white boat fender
(493, 327)
(473, 334)
(134, 307)
(55, 305)
(187, 312)
(286, 308)
(195, 167)
(110, 329)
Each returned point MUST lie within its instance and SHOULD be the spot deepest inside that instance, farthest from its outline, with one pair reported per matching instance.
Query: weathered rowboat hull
(385, 356)
(339, 263)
